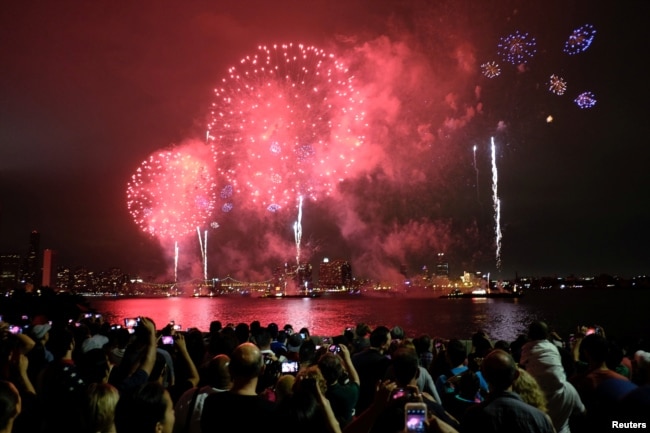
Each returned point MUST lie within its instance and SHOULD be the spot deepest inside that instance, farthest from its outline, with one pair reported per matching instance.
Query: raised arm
(150, 356)
(182, 351)
(347, 363)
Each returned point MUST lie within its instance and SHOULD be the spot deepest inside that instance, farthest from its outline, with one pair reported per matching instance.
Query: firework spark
(171, 193)
(585, 100)
(517, 48)
(556, 85)
(491, 69)
(497, 206)
(580, 39)
(286, 122)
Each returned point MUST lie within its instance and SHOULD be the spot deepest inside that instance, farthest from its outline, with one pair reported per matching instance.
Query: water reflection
(500, 318)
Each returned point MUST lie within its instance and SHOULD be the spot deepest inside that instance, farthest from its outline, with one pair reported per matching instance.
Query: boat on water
(282, 295)
(483, 293)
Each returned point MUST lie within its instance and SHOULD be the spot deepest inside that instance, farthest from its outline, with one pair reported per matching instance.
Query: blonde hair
(529, 390)
(100, 408)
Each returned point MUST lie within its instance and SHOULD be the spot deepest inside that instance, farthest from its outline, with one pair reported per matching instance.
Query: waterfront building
(49, 268)
(442, 266)
(10, 270)
(31, 271)
(335, 274)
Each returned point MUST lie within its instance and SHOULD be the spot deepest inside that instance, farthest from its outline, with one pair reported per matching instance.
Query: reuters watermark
(628, 424)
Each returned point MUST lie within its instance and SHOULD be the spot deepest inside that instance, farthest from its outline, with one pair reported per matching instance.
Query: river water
(619, 312)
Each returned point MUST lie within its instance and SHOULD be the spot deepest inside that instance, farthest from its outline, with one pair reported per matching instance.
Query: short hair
(422, 343)
(499, 370)
(457, 352)
(101, 402)
(282, 336)
(93, 366)
(307, 351)
(406, 365)
(60, 340)
(263, 338)
(330, 366)
(215, 326)
(142, 409)
(273, 329)
(538, 330)
(242, 332)
(468, 385)
(9, 402)
(216, 373)
(595, 347)
(379, 336)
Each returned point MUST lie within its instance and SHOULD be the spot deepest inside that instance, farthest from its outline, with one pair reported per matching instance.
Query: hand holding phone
(290, 367)
(415, 417)
(334, 348)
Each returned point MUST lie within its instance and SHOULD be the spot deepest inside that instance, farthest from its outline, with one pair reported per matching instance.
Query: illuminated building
(9, 270)
(31, 267)
(49, 268)
(336, 274)
(442, 266)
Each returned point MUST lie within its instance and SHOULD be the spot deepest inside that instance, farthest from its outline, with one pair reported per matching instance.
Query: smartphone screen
(290, 367)
(167, 339)
(416, 415)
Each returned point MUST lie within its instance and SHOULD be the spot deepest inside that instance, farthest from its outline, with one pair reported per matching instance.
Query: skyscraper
(442, 266)
(336, 274)
(31, 271)
(49, 268)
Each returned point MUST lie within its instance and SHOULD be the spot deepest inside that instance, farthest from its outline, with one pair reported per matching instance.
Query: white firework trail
(478, 199)
(176, 261)
(297, 230)
(204, 251)
(497, 206)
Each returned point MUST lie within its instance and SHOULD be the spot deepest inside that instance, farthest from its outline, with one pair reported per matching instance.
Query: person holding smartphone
(342, 382)
(308, 409)
(407, 403)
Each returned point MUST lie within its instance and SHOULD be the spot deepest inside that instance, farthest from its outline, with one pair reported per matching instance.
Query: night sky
(89, 90)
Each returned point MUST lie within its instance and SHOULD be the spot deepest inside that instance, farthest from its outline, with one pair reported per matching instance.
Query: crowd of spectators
(90, 376)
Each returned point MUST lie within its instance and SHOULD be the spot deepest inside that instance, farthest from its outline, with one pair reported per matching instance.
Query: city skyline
(92, 91)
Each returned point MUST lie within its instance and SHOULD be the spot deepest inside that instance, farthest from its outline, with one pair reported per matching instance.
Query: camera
(335, 348)
(399, 393)
(177, 327)
(167, 340)
(415, 417)
(131, 322)
(15, 329)
(290, 367)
